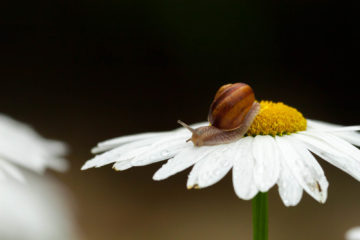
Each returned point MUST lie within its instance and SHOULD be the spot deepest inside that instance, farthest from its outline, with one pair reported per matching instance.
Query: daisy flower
(278, 148)
(22, 148)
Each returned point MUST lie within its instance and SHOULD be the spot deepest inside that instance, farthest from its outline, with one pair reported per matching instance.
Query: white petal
(345, 129)
(351, 137)
(21, 145)
(181, 161)
(115, 154)
(334, 150)
(56, 147)
(212, 167)
(316, 124)
(335, 129)
(115, 142)
(304, 167)
(58, 164)
(267, 164)
(243, 177)
(193, 177)
(160, 151)
(34, 162)
(346, 133)
(123, 165)
(144, 151)
(289, 189)
(11, 170)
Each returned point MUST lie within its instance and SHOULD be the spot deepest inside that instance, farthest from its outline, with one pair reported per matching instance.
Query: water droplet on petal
(165, 153)
(225, 163)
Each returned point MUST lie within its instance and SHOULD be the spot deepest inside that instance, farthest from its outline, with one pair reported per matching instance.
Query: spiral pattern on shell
(231, 104)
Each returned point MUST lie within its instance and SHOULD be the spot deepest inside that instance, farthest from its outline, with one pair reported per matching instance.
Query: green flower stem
(260, 216)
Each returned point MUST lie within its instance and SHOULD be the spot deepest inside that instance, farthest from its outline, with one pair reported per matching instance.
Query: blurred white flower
(33, 206)
(353, 234)
(36, 210)
(21, 146)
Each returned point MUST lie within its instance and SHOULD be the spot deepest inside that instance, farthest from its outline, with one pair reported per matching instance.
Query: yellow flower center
(277, 119)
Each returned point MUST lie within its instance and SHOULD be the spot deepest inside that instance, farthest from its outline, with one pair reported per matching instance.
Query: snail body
(231, 114)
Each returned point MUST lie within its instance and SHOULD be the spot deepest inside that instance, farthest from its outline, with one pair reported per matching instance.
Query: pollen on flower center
(277, 119)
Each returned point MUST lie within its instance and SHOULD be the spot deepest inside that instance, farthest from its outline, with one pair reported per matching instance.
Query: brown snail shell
(231, 104)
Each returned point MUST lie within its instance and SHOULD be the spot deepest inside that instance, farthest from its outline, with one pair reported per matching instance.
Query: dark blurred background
(85, 71)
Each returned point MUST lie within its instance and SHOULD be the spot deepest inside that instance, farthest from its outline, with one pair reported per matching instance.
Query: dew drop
(225, 163)
(165, 153)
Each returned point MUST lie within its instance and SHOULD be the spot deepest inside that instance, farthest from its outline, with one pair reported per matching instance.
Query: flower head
(21, 146)
(277, 148)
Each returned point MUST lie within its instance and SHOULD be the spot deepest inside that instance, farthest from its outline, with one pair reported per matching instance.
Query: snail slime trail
(231, 114)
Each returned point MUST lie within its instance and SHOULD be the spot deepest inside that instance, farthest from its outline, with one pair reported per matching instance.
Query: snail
(231, 114)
